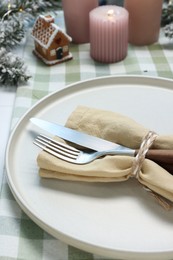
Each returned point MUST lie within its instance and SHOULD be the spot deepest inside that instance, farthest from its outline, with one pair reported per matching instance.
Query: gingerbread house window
(52, 53)
(65, 48)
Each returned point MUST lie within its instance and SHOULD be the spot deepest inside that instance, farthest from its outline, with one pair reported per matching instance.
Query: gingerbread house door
(59, 53)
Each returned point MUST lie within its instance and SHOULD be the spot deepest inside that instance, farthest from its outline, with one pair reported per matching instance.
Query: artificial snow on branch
(167, 18)
(11, 32)
(12, 69)
(29, 7)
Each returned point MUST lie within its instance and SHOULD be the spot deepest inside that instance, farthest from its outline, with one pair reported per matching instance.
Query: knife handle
(160, 156)
(167, 166)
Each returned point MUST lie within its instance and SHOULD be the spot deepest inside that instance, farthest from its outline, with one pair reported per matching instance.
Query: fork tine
(56, 154)
(57, 145)
(58, 149)
(55, 149)
(69, 147)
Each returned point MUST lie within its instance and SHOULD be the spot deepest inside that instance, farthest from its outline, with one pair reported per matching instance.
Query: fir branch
(12, 69)
(39, 6)
(30, 7)
(11, 32)
(167, 13)
(169, 30)
(167, 18)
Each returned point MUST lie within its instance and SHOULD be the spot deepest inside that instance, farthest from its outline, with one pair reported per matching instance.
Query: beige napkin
(119, 129)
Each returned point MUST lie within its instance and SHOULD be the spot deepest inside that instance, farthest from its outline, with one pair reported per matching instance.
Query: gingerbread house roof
(44, 31)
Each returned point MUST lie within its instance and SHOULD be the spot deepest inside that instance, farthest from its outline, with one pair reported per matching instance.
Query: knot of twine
(140, 157)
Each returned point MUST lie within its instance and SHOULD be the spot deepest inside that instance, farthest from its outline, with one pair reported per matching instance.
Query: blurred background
(111, 2)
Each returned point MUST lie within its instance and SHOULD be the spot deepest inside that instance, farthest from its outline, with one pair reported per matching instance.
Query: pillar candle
(76, 17)
(108, 33)
(144, 20)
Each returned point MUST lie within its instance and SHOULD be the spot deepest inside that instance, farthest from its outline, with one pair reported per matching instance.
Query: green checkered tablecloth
(20, 237)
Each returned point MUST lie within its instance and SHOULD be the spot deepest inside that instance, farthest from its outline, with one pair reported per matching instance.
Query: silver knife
(82, 139)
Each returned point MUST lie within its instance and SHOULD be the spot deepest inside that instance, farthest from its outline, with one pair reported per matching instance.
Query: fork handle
(160, 156)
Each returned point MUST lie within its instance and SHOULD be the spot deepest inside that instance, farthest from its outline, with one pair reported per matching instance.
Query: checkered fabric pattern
(20, 237)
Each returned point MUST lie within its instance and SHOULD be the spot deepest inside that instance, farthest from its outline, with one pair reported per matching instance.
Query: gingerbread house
(51, 43)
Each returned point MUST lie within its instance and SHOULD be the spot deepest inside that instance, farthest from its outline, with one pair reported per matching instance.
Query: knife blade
(80, 138)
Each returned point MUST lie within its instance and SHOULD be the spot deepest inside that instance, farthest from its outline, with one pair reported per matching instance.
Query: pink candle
(108, 33)
(144, 20)
(76, 16)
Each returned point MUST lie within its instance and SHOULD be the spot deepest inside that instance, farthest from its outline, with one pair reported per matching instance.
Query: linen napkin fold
(111, 168)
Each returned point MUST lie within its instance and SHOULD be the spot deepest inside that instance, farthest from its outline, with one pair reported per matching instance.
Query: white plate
(119, 220)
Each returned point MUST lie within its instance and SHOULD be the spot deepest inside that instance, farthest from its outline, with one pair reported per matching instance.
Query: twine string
(140, 157)
(137, 165)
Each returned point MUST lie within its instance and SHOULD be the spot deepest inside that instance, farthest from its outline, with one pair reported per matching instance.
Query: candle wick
(110, 13)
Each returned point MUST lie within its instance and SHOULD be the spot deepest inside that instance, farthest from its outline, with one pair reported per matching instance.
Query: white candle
(108, 33)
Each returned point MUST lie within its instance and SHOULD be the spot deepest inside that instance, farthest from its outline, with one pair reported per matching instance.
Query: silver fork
(70, 154)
